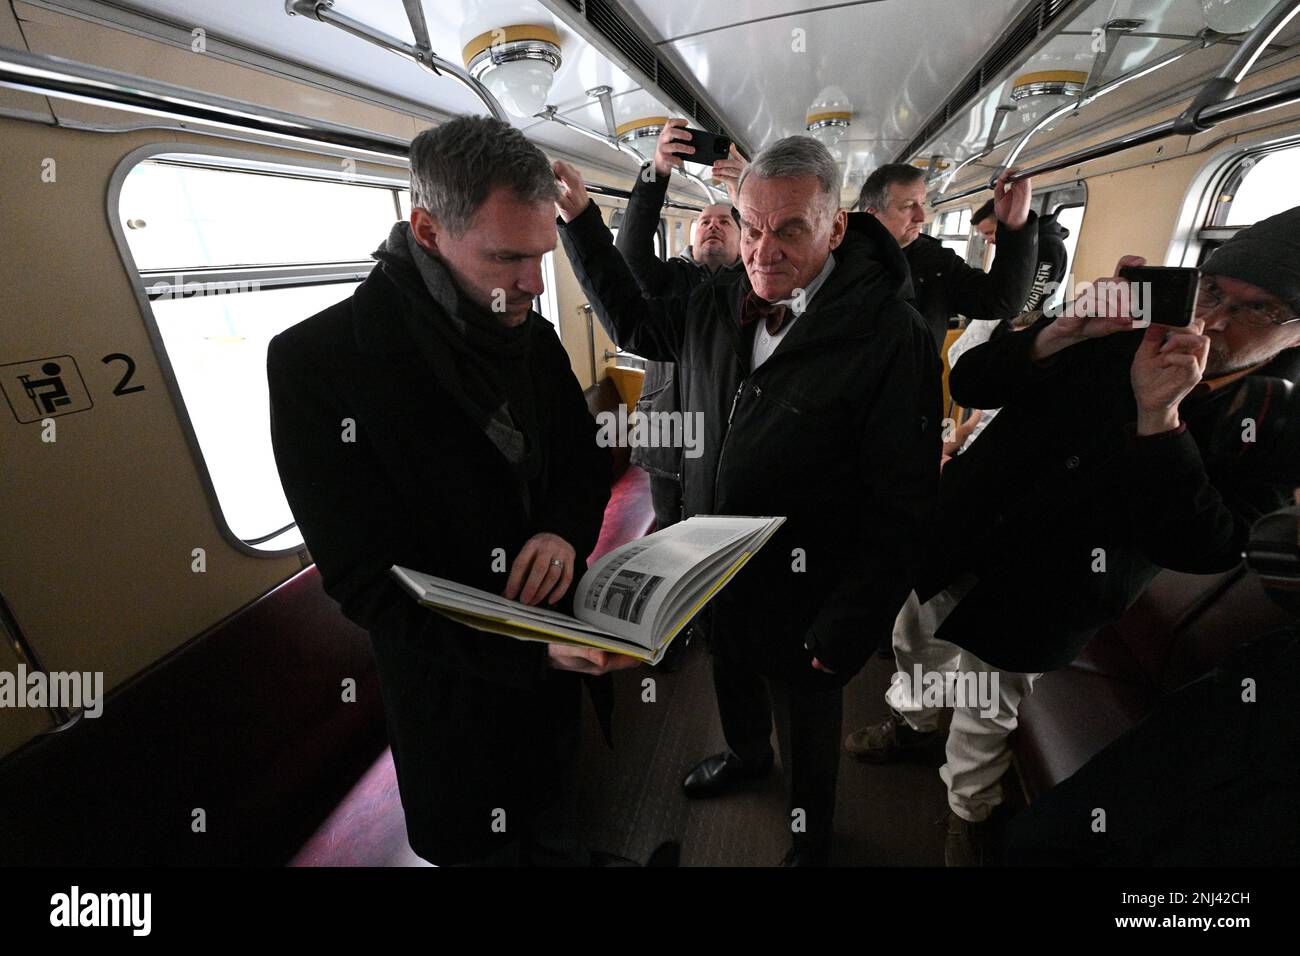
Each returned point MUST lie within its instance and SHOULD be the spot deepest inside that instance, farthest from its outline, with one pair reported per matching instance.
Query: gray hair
(875, 191)
(793, 157)
(456, 165)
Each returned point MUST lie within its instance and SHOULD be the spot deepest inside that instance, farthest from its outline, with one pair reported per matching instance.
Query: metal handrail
(1225, 84)
(1201, 42)
(420, 52)
(553, 115)
(48, 75)
(323, 11)
(1214, 104)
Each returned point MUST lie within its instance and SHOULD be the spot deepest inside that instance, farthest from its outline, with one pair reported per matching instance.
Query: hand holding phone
(709, 147)
(1161, 296)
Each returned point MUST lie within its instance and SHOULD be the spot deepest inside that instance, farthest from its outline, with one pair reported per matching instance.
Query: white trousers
(933, 674)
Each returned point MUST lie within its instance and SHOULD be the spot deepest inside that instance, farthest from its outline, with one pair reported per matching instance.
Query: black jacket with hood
(946, 286)
(838, 431)
(675, 277)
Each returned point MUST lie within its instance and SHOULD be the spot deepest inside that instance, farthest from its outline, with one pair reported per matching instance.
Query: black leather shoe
(807, 856)
(720, 773)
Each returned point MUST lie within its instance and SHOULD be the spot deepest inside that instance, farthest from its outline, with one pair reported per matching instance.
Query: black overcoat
(838, 431)
(477, 723)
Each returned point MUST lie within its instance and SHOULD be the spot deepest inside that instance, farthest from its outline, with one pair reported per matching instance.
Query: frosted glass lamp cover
(522, 86)
(1235, 16)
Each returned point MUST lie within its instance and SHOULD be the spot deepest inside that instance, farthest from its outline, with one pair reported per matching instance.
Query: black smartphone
(1163, 295)
(709, 147)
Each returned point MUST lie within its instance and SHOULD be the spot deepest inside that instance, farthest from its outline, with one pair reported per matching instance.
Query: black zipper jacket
(838, 431)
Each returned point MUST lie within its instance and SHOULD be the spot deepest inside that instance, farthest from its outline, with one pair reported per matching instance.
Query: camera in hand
(1163, 296)
(709, 147)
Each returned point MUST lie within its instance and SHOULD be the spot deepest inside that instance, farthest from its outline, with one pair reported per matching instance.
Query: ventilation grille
(606, 19)
(1022, 34)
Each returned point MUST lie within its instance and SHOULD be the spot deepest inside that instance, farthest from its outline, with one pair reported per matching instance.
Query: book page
(625, 592)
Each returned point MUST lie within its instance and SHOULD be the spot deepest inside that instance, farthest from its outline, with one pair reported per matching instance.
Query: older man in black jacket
(945, 285)
(1116, 453)
(715, 249)
(432, 420)
(818, 390)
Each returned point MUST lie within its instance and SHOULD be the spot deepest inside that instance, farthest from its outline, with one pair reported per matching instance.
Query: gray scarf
(482, 363)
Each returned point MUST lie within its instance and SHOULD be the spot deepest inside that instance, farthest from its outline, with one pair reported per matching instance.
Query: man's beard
(1221, 362)
(713, 256)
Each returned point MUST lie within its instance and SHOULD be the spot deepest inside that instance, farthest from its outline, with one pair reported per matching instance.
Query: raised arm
(1004, 290)
(652, 328)
(641, 219)
(1004, 370)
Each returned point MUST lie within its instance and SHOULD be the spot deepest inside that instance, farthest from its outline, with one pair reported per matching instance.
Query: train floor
(630, 798)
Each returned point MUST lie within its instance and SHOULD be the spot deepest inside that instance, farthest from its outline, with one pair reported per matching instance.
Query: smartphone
(1162, 295)
(709, 147)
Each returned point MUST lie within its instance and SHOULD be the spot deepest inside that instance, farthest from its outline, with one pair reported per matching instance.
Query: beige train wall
(100, 525)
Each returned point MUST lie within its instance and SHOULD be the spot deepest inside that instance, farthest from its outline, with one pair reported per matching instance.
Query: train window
(227, 257)
(1071, 217)
(546, 304)
(952, 228)
(1260, 186)
(187, 217)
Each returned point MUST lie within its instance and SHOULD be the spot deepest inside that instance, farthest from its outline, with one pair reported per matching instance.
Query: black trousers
(808, 724)
(666, 499)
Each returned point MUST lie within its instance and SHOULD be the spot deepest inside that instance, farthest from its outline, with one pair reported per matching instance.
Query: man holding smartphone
(714, 252)
(1115, 438)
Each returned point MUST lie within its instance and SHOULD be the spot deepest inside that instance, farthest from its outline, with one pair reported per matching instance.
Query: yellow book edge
(530, 632)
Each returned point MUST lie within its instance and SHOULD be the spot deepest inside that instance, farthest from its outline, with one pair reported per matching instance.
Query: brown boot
(886, 741)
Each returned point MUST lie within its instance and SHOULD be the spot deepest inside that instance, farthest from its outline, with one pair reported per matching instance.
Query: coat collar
(868, 255)
(380, 303)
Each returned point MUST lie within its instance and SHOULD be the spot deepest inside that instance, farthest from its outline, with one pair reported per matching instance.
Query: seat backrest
(247, 723)
(603, 397)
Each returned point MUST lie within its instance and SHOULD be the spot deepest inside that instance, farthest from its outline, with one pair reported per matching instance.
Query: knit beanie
(1266, 255)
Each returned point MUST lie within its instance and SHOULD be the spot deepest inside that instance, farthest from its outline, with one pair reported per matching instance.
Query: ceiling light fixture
(829, 116)
(642, 134)
(1038, 94)
(517, 64)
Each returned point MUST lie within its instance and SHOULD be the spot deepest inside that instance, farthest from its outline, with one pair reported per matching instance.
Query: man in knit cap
(1118, 452)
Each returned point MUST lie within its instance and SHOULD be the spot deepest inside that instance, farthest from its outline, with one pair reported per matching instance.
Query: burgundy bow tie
(773, 315)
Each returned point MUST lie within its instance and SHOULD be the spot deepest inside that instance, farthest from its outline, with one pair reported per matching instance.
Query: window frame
(145, 291)
(1195, 233)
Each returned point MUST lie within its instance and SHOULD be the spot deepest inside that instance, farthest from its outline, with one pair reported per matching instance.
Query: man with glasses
(1117, 452)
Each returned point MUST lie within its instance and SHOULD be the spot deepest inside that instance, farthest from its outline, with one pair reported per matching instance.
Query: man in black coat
(432, 420)
(817, 389)
(1049, 274)
(945, 285)
(716, 248)
(1117, 452)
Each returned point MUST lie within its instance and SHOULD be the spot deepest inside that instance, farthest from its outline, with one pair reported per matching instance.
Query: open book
(632, 601)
